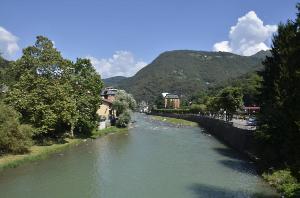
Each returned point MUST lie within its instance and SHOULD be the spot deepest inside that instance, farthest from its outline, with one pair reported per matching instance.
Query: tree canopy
(53, 94)
(280, 109)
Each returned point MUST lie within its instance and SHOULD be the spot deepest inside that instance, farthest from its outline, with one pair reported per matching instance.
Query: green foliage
(4, 65)
(86, 83)
(280, 107)
(250, 85)
(120, 106)
(53, 94)
(230, 99)
(185, 71)
(178, 122)
(123, 119)
(284, 182)
(198, 108)
(111, 129)
(123, 104)
(159, 102)
(43, 93)
(15, 137)
(113, 81)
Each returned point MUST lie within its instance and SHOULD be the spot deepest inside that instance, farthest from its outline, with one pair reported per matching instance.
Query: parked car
(251, 122)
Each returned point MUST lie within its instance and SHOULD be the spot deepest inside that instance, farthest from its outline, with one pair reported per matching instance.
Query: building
(109, 93)
(172, 101)
(105, 111)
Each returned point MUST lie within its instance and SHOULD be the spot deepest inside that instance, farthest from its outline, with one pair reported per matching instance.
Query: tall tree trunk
(72, 129)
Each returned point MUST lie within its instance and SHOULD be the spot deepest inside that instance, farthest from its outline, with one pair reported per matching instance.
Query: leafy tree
(230, 99)
(15, 137)
(53, 94)
(213, 105)
(123, 101)
(123, 119)
(159, 101)
(198, 108)
(280, 93)
(120, 106)
(87, 84)
(123, 104)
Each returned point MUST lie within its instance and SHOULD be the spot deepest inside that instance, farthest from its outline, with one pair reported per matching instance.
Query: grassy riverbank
(175, 121)
(112, 129)
(41, 152)
(36, 153)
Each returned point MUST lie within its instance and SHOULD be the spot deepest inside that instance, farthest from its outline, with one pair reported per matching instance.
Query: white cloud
(122, 63)
(248, 36)
(8, 43)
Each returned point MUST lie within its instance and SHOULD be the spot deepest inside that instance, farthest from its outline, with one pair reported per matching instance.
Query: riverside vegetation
(47, 103)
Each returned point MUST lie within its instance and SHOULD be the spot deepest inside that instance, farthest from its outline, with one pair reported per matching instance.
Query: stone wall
(241, 140)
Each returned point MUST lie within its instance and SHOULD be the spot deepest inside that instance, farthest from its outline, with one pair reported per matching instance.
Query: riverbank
(175, 121)
(35, 153)
(41, 152)
(112, 129)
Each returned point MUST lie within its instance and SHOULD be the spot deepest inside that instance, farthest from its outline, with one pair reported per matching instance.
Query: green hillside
(185, 72)
(113, 81)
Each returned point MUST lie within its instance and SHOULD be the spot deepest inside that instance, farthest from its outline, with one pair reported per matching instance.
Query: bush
(198, 108)
(123, 119)
(284, 182)
(15, 138)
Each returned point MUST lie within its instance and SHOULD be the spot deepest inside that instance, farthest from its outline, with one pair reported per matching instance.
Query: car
(251, 122)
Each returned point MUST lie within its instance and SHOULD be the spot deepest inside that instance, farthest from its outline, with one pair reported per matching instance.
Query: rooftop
(172, 96)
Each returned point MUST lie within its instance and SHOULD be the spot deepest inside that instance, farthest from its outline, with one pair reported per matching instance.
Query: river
(152, 160)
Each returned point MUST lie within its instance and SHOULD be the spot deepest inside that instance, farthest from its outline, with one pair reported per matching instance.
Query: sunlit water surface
(153, 160)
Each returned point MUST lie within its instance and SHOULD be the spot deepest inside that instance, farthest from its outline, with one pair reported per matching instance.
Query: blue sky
(125, 35)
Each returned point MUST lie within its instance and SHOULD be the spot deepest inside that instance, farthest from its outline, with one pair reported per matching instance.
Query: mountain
(262, 54)
(185, 72)
(113, 81)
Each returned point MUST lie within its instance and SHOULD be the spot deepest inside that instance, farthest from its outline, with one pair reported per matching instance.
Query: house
(109, 93)
(105, 111)
(172, 101)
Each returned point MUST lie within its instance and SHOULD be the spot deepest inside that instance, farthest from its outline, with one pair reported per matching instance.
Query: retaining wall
(242, 140)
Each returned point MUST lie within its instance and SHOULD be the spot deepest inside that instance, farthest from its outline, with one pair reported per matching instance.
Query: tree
(279, 127)
(15, 137)
(87, 84)
(213, 105)
(159, 102)
(123, 104)
(230, 99)
(53, 94)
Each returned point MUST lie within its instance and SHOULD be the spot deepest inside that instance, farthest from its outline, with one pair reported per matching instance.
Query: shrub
(198, 108)
(123, 119)
(284, 182)
(15, 138)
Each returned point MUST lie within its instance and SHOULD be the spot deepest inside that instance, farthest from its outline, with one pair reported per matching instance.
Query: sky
(121, 37)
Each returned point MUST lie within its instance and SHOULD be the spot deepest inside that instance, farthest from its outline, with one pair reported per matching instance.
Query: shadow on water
(229, 153)
(240, 166)
(208, 191)
(236, 161)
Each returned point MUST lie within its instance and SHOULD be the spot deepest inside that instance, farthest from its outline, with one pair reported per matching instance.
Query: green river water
(154, 160)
